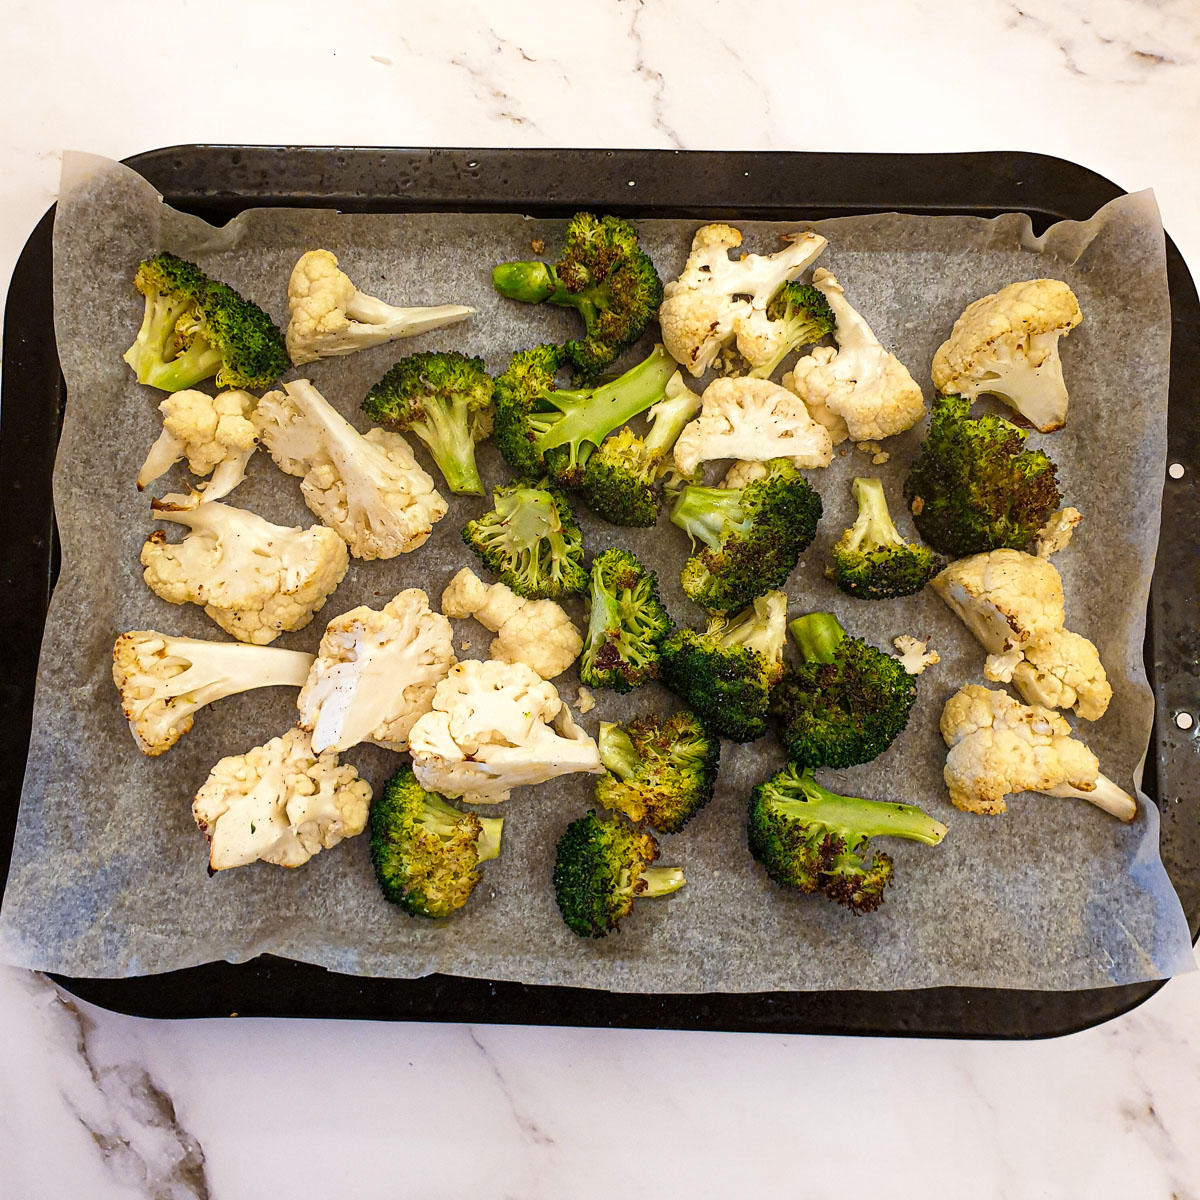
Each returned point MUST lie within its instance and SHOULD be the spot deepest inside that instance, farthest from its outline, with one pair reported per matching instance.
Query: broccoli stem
(617, 751)
(661, 881)
(874, 523)
(538, 283)
(667, 419)
(866, 818)
(488, 845)
(818, 636)
(197, 362)
(446, 432)
(708, 513)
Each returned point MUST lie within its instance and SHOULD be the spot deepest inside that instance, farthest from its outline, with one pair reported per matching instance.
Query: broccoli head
(626, 624)
(194, 327)
(445, 399)
(872, 561)
(600, 868)
(805, 318)
(425, 851)
(604, 275)
(542, 429)
(845, 703)
(659, 771)
(753, 536)
(726, 673)
(813, 840)
(531, 542)
(975, 487)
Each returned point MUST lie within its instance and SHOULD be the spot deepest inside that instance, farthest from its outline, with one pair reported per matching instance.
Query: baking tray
(217, 182)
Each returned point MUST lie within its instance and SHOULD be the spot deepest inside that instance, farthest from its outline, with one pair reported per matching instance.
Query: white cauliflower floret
(752, 419)
(704, 308)
(496, 726)
(1056, 533)
(164, 680)
(914, 653)
(584, 700)
(255, 579)
(214, 433)
(330, 316)
(367, 487)
(1062, 669)
(280, 803)
(1006, 345)
(375, 674)
(537, 633)
(743, 473)
(869, 389)
(999, 746)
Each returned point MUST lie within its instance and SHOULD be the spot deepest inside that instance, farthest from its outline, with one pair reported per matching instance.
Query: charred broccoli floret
(426, 852)
(845, 703)
(600, 868)
(806, 318)
(626, 624)
(753, 536)
(975, 487)
(726, 673)
(659, 771)
(604, 275)
(446, 400)
(531, 542)
(814, 840)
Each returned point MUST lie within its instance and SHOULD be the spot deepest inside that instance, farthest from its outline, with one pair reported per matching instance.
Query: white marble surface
(97, 1105)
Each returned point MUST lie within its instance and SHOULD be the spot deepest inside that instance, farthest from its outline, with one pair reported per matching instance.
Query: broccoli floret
(659, 771)
(531, 542)
(619, 483)
(753, 536)
(545, 430)
(446, 400)
(845, 703)
(726, 673)
(872, 561)
(425, 851)
(194, 328)
(806, 318)
(600, 868)
(975, 487)
(602, 273)
(814, 840)
(626, 624)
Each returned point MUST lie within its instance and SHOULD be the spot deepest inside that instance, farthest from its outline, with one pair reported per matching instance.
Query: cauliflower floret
(255, 579)
(703, 309)
(164, 680)
(1056, 533)
(496, 726)
(535, 632)
(752, 419)
(743, 473)
(999, 746)
(367, 487)
(330, 316)
(214, 433)
(280, 803)
(1006, 345)
(584, 700)
(1062, 669)
(375, 674)
(914, 654)
(868, 388)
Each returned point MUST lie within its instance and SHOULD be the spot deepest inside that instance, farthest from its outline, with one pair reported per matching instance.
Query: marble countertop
(99, 1105)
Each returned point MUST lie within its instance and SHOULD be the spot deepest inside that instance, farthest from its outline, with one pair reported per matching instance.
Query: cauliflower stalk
(280, 803)
(255, 579)
(330, 316)
(367, 487)
(375, 674)
(496, 726)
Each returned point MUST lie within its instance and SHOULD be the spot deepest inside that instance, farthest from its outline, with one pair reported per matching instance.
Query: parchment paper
(108, 874)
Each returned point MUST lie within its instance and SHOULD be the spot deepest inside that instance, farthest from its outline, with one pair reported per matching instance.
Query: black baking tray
(217, 182)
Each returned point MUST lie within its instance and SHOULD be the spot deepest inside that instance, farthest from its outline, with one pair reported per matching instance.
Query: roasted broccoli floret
(975, 487)
(753, 536)
(845, 703)
(603, 274)
(531, 542)
(872, 561)
(446, 400)
(542, 429)
(805, 317)
(619, 483)
(194, 328)
(425, 851)
(814, 840)
(626, 624)
(600, 868)
(726, 673)
(661, 771)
